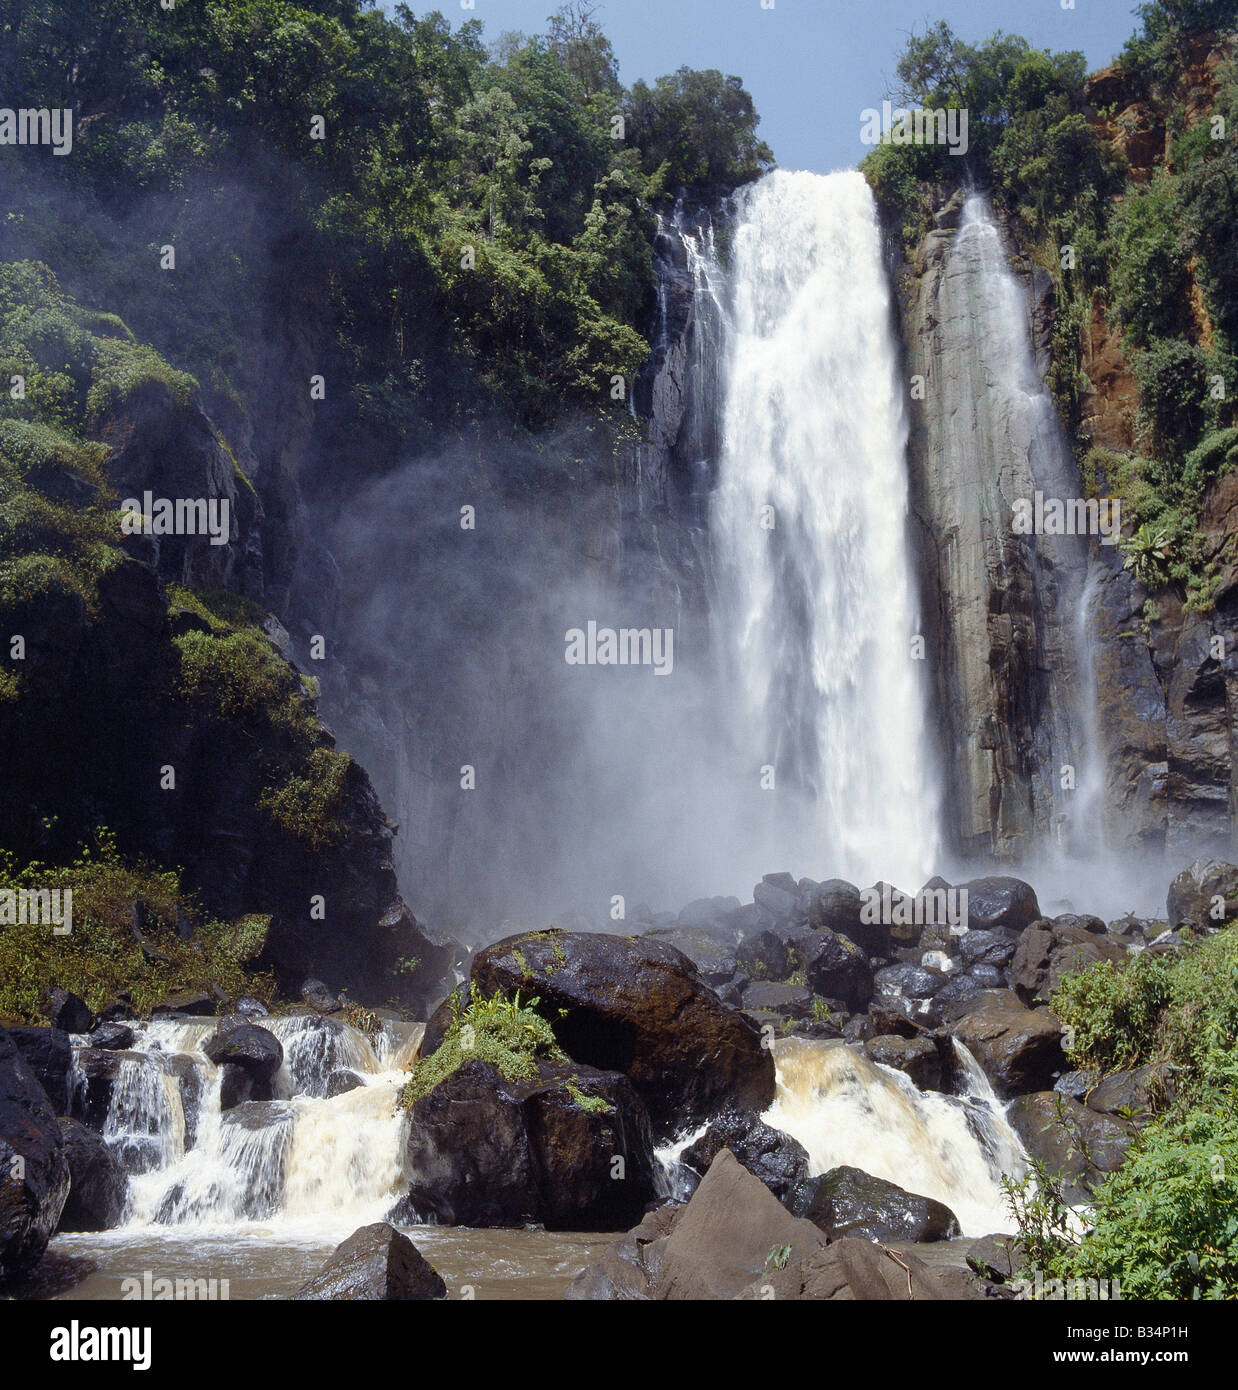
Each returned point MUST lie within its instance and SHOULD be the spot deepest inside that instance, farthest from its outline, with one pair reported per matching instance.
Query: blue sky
(811, 65)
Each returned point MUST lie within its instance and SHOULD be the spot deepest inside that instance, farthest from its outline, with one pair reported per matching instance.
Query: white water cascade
(815, 613)
(845, 1109)
(316, 1158)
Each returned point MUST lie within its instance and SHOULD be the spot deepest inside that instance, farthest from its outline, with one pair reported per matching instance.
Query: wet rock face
(849, 1202)
(483, 1151)
(376, 1264)
(780, 1161)
(99, 1186)
(637, 1006)
(34, 1172)
(1019, 1049)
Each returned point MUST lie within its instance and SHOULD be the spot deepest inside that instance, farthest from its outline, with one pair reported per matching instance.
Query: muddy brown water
(525, 1265)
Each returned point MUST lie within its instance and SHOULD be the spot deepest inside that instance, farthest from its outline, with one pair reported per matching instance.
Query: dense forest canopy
(473, 222)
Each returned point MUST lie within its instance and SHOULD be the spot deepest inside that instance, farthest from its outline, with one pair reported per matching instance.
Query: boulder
(1204, 895)
(780, 1161)
(484, 1151)
(376, 1264)
(1072, 1141)
(99, 1187)
(849, 1202)
(707, 912)
(907, 991)
(197, 1003)
(791, 1001)
(1000, 902)
(637, 1006)
(1135, 1095)
(1019, 1049)
(1047, 951)
(780, 902)
(712, 952)
(47, 1052)
(339, 1083)
(65, 1011)
(854, 1269)
(626, 1269)
(321, 999)
(837, 904)
(836, 968)
(996, 948)
(118, 1037)
(34, 1172)
(766, 954)
(918, 1057)
(723, 1239)
(250, 1058)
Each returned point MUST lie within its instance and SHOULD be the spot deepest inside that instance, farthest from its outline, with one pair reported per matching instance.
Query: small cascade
(670, 1178)
(306, 1156)
(845, 1109)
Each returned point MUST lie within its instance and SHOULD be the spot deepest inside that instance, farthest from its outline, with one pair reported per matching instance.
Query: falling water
(815, 614)
(1025, 429)
(308, 1158)
(845, 1109)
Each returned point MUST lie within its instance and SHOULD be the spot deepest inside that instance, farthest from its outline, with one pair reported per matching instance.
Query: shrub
(509, 1035)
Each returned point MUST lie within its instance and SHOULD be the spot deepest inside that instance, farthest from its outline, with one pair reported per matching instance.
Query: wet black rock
(849, 1202)
(99, 1187)
(375, 1264)
(780, 1161)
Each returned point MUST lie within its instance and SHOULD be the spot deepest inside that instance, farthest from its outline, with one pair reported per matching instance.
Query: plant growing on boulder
(509, 1035)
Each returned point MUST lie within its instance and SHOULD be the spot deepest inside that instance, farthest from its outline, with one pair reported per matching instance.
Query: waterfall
(815, 611)
(845, 1109)
(1017, 415)
(308, 1158)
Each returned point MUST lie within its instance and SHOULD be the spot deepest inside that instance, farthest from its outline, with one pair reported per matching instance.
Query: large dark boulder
(250, 1057)
(712, 951)
(48, 1053)
(1047, 951)
(401, 936)
(1072, 1141)
(837, 904)
(1135, 1095)
(485, 1151)
(849, 1202)
(1204, 895)
(917, 1057)
(99, 1187)
(908, 991)
(724, 1237)
(375, 1264)
(1000, 902)
(836, 968)
(637, 1006)
(66, 1011)
(766, 954)
(34, 1172)
(1019, 1049)
(780, 1161)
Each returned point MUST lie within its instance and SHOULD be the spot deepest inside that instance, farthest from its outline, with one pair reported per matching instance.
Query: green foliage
(1165, 1225)
(113, 901)
(509, 1035)
(431, 148)
(595, 1105)
(1181, 1009)
(1150, 281)
(701, 126)
(307, 804)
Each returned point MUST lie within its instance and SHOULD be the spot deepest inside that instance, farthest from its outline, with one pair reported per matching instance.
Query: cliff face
(1004, 667)
(1012, 665)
